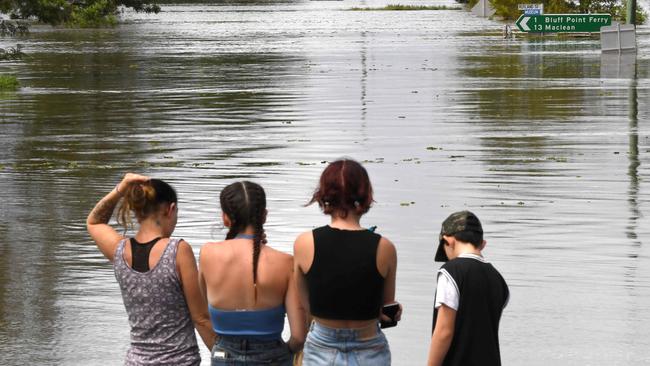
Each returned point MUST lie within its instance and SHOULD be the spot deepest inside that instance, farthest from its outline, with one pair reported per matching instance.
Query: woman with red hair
(345, 273)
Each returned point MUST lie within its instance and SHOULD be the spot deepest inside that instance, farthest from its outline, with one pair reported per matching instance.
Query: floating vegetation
(8, 83)
(414, 160)
(408, 7)
(407, 203)
(11, 53)
(433, 148)
(377, 160)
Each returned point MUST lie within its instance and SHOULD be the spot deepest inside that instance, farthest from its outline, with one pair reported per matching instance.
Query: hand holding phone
(389, 311)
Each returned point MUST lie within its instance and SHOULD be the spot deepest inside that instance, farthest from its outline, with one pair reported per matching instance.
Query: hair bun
(149, 192)
(138, 195)
(143, 199)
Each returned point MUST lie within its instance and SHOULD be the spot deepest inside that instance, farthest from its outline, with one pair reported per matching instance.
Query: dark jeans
(250, 351)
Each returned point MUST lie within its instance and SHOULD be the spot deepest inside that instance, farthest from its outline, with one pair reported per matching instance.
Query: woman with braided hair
(249, 286)
(345, 274)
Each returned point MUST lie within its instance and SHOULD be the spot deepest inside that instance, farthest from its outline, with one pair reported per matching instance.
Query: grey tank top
(162, 332)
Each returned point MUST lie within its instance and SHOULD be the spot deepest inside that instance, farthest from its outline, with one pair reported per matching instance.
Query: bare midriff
(350, 324)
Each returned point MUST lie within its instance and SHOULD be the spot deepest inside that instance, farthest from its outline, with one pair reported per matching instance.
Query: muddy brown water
(543, 138)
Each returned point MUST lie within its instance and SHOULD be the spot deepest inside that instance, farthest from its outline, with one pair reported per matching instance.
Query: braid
(245, 204)
(256, 215)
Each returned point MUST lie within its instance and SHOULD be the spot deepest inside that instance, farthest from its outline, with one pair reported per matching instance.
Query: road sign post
(563, 23)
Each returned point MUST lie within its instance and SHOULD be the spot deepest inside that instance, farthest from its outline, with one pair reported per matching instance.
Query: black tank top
(343, 281)
(140, 254)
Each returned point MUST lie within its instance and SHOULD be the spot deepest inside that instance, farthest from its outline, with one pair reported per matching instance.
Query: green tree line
(508, 9)
(81, 13)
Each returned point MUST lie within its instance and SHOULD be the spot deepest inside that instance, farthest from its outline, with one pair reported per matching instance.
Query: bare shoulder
(212, 249)
(303, 241)
(386, 255)
(185, 250)
(214, 245)
(278, 255)
(183, 245)
(386, 245)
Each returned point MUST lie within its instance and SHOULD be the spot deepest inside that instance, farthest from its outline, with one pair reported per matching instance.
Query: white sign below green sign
(531, 9)
(563, 23)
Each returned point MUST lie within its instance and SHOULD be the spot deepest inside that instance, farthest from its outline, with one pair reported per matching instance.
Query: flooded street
(544, 139)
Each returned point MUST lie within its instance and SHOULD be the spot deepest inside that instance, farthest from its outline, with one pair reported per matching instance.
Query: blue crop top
(265, 324)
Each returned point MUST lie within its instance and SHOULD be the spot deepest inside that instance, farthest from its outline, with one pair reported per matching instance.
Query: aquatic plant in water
(8, 83)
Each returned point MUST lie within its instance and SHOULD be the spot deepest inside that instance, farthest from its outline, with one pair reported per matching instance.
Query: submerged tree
(83, 13)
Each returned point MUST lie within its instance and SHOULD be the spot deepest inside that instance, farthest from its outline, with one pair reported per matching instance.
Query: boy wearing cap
(470, 298)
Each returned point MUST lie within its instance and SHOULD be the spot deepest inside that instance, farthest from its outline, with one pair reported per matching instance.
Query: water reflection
(618, 66)
(633, 167)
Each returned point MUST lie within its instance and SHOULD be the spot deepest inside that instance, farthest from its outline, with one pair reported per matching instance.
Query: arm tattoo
(103, 211)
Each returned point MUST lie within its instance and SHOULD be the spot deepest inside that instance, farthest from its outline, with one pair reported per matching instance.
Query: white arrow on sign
(523, 24)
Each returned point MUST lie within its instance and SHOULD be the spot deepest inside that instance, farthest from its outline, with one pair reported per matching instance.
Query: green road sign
(563, 23)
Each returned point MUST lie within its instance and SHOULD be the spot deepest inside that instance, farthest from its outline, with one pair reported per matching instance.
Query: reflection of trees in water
(523, 98)
(131, 106)
(528, 84)
(633, 171)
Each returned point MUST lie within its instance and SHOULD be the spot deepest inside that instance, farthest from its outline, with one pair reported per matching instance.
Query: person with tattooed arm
(157, 274)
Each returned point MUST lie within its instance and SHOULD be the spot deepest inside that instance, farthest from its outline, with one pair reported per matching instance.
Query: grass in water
(8, 82)
(409, 7)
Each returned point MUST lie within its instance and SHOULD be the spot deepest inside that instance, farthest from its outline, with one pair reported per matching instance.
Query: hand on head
(130, 178)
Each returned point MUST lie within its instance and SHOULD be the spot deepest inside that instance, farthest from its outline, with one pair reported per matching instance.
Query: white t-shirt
(447, 291)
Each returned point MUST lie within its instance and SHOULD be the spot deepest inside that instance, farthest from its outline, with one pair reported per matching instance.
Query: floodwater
(547, 141)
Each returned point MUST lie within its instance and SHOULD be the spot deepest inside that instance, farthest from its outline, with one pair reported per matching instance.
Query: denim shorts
(231, 350)
(340, 346)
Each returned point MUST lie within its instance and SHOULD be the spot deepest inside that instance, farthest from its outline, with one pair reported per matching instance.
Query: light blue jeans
(339, 346)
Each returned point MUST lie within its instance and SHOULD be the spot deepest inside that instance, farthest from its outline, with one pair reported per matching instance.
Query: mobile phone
(390, 310)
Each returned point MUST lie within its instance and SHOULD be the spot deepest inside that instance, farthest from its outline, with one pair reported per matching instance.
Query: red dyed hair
(344, 187)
